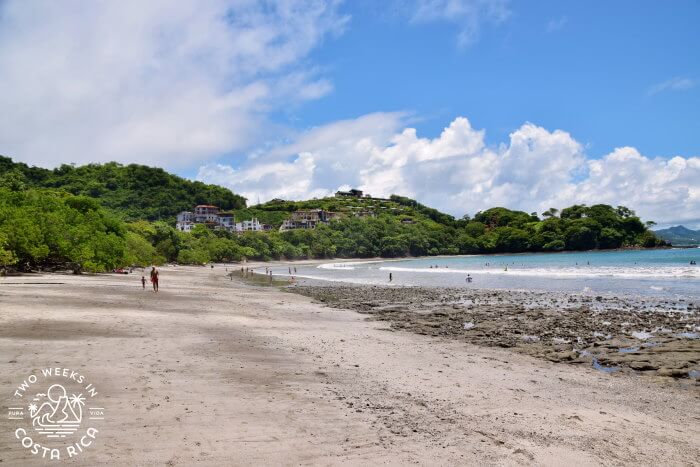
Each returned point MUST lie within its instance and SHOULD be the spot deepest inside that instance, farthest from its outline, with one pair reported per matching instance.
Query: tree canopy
(131, 191)
(46, 228)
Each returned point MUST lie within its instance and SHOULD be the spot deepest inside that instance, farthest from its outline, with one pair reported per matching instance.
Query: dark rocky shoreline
(651, 336)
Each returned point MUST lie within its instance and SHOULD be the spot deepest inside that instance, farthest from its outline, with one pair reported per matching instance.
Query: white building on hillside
(185, 216)
(205, 214)
(226, 220)
(252, 225)
(185, 226)
(307, 219)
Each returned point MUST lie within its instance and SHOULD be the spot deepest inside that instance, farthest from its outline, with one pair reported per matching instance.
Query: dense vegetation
(133, 191)
(492, 231)
(52, 227)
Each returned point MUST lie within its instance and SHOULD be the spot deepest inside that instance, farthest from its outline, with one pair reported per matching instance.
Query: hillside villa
(353, 193)
(211, 217)
(307, 219)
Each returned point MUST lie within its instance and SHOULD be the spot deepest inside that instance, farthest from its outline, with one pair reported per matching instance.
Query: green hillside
(404, 209)
(131, 191)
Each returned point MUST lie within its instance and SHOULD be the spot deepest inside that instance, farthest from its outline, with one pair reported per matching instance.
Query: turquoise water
(665, 272)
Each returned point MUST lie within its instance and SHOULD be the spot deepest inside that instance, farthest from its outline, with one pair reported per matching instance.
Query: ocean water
(661, 273)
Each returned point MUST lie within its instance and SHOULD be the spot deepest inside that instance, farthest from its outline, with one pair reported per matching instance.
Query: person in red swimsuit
(154, 278)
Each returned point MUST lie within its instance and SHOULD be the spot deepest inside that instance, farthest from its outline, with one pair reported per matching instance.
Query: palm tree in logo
(77, 403)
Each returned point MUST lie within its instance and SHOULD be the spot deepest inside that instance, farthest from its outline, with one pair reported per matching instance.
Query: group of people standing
(154, 279)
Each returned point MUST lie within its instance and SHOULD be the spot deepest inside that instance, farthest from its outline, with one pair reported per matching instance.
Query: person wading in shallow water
(154, 278)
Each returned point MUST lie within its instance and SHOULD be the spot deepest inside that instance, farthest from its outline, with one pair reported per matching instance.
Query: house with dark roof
(349, 194)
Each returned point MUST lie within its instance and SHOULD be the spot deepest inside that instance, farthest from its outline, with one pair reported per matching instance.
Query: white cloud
(664, 190)
(459, 173)
(314, 163)
(467, 15)
(673, 84)
(157, 82)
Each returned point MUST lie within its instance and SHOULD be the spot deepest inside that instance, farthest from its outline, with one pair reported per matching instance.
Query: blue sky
(461, 104)
(587, 67)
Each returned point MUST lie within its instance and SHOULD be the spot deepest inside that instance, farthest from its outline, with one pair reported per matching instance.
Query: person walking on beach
(391, 277)
(143, 282)
(469, 278)
(154, 278)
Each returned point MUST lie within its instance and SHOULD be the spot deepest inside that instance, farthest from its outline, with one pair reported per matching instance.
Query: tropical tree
(551, 212)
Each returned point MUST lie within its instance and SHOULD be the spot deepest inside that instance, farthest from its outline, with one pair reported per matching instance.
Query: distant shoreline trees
(90, 218)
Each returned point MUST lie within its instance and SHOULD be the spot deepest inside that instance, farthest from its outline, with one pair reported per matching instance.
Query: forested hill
(398, 208)
(679, 236)
(131, 191)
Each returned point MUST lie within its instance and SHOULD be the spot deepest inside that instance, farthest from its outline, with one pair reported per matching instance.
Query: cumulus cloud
(665, 190)
(313, 164)
(459, 173)
(467, 15)
(157, 82)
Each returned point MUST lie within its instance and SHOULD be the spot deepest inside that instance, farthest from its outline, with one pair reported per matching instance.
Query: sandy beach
(220, 372)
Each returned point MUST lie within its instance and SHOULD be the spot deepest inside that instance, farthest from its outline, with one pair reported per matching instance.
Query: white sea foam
(348, 265)
(346, 280)
(337, 266)
(669, 272)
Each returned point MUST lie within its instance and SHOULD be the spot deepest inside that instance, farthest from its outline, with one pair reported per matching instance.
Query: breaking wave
(617, 272)
(346, 266)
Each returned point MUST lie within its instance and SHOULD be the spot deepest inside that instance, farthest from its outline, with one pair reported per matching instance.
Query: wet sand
(651, 336)
(214, 371)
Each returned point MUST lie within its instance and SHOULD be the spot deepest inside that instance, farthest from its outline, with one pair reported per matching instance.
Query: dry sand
(218, 372)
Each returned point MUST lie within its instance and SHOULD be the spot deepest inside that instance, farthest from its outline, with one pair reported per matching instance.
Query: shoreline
(57, 270)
